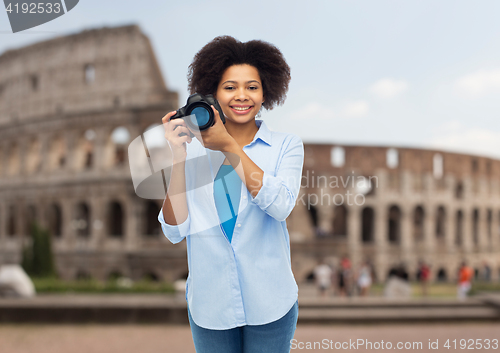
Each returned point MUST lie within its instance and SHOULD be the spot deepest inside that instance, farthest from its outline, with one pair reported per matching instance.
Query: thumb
(218, 120)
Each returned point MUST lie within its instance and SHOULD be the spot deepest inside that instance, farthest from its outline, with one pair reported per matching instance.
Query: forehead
(241, 73)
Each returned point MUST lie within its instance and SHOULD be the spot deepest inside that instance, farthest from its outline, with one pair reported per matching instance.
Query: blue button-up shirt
(247, 281)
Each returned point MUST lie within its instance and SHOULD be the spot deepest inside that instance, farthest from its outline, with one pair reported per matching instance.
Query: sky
(421, 74)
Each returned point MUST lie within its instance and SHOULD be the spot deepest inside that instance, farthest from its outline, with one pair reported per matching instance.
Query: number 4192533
(471, 344)
(40, 7)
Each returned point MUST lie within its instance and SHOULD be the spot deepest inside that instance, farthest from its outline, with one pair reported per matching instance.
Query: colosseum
(72, 108)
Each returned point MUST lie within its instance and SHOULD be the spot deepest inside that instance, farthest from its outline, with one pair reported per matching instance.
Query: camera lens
(199, 116)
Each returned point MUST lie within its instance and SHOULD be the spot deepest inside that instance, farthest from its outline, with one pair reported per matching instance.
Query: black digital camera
(198, 113)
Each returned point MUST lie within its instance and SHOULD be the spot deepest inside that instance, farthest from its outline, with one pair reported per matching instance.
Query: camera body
(198, 113)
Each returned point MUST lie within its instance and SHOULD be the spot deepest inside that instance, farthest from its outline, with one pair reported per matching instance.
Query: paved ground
(177, 339)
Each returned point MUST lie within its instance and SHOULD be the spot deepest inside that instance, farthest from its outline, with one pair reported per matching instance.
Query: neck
(242, 133)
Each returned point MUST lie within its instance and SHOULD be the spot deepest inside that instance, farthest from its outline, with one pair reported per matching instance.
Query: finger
(192, 132)
(181, 130)
(181, 140)
(185, 139)
(167, 117)
(197, 134)
(217, 115)
(173, 124)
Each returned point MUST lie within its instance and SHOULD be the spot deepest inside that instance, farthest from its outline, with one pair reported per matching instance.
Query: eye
(229, 88)
(253, 88)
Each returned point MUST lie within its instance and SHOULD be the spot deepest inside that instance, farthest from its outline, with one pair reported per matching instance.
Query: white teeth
(241, 108)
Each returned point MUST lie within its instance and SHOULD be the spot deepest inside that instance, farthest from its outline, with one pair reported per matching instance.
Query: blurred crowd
(343, 280)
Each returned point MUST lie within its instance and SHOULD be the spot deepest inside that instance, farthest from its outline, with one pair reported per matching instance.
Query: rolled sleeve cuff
(174, 233)
(269, 191)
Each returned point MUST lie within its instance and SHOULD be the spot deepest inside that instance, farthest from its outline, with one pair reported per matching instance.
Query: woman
(230, 192)
(365, 279)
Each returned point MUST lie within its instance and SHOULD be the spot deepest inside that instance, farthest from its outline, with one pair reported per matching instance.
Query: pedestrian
(465, 274)
(486, 272)
(344, 276)
(424, 273)
(322, 275)
(230, 192)
(364, 279)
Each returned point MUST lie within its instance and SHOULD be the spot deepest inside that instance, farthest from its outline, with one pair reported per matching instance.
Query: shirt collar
(263, 133)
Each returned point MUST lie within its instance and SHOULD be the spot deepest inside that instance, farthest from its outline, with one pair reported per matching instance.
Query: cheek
(223, 100)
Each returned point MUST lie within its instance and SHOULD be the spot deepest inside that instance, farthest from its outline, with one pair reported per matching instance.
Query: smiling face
(240, 93)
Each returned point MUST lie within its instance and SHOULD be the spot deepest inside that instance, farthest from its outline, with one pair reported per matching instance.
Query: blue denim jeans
(273, 337)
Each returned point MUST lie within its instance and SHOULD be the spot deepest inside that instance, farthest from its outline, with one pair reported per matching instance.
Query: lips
(241, 109)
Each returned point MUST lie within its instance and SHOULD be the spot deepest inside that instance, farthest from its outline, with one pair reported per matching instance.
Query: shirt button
(239, 224)
(244, 197)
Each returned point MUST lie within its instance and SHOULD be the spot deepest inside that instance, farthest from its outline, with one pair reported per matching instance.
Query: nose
(241, 94)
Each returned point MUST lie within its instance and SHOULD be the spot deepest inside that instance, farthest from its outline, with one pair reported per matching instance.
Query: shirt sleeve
(278, 194)
(174, 233)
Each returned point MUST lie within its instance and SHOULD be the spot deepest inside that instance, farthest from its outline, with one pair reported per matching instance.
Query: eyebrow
(229, 81)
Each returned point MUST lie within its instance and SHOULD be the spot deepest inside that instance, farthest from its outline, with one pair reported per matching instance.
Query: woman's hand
(177, 134)
(215, 137)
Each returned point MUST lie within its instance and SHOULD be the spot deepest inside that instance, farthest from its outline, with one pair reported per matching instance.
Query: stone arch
(117, 146)
(459, 231)
(11, 221)
(154, 136)
(394, 224)
(459, 190)
(392, 158)
(31, 217)
(337, 156)
(115, 219)
(152, 226)
(367, 224)
(183, 275)
(313, 213)
(2, 164)
(152, 276)
(440, 222)
(437, 165)
(54, 218)
(475, 226)
(13, 164)
(374, 273)
(57, 153)
(498, 228)
(33, 160)
(89, 73)
(82, 220)
(489, 225)
(441, 275)
(340, 221)
(114, 275)
(310, 276)
(82, 274)
(84, 155)
(418, 223)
